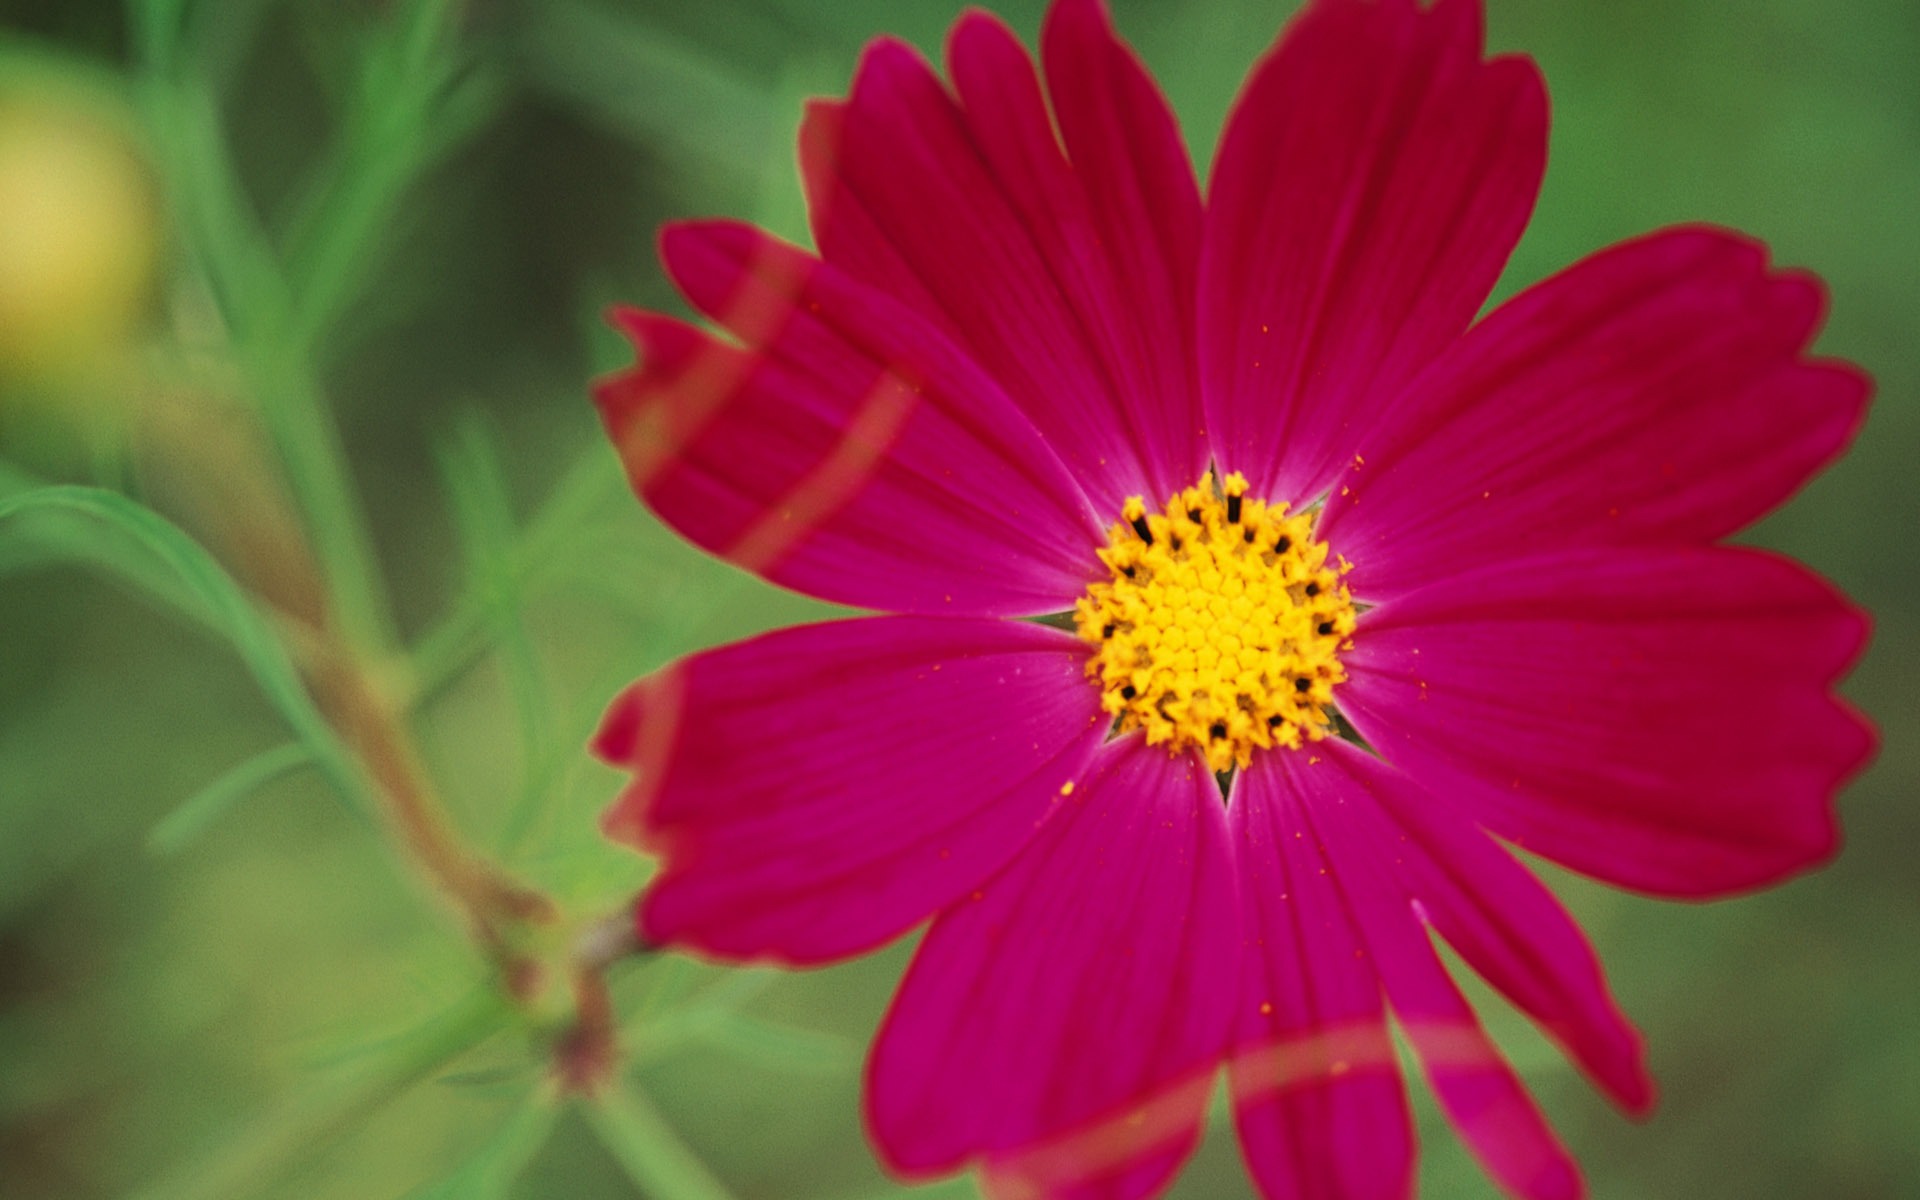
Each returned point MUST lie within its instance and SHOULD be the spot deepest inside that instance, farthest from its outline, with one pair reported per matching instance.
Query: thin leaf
(417, 98)
(483, 515)
(764, 1043)
(146, 550)
(179, 828)
(642, 81)
(490, 1173)
(292, 1134)
(224, 242)
(771, 1043)
(654, 1157)
(556, 527)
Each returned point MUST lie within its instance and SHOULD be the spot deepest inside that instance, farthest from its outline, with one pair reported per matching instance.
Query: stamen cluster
(1221, 625)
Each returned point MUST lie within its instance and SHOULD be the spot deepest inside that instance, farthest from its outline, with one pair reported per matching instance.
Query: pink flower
(1353, 585)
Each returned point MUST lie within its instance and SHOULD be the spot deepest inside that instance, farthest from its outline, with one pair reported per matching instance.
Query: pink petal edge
(818, 791)
(1063, 1025)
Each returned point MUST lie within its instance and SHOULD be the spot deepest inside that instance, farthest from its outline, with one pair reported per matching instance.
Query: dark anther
(1313, 589)
(1326, 628)
(1273, 722)
(1193, 514)
(1233, 508)
(1284, 544)
(1106, 631)
(1174, 542)
(1128, 692)
(1248, 536)
(1218, 731)
(1303, 684)
(1127, 571)
(1140, 527)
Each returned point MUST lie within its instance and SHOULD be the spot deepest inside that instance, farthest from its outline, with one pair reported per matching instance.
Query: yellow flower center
(1221, 627)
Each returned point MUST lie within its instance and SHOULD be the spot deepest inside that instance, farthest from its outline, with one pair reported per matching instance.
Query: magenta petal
(1126, 147)
(818, 791)
(1071, 284)
(1656, 392)
(1373, 178)
(1504, 922)
(1064, 1024)
(1317, 1095)
(1481, 1095)
(1658, 718)
(850, 451)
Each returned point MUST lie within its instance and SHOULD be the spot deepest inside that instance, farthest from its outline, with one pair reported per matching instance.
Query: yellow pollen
(1221, 627)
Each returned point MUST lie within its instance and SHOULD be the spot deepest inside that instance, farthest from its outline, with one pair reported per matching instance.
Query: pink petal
(1659, 718)
(1317, 1095)
(1373, 178)
(1126, 148)
(1064, 1024)
(1070, 284)
(1479, 1092)
(850, 451)
(1657, 392)
(1504, 922)
(818, 791)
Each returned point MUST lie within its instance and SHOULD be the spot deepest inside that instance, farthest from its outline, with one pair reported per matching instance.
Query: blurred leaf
(483, 516)
(179, 828)
(13, 479)
(418, 96)
(654, 1157)
(486, 1077)
(770, 1044)
(491, 1172)
(640, 80)
(954, 1188)
(555, 528)
(222, 238)
(141, 547)
(288, 1136)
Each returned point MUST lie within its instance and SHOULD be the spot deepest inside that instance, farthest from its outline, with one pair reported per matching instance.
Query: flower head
(1343, 589)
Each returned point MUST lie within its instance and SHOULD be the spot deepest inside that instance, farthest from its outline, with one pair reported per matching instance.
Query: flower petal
(1479, 1092)
(1317, 1094)
(1373, 178)
(1656, 392)
(1071, 284)
(1659, 718)
(1505, 923)
(1064, 1025)
(849, 451)
(1126, 148)
(820, 790)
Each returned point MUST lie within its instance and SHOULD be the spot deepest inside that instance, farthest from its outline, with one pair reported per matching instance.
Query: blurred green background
(403, 220)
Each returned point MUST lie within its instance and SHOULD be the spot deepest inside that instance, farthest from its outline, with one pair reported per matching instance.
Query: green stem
(310, 446)
(655, 1158)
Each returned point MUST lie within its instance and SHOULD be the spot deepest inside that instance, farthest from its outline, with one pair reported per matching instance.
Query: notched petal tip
(619, 733)
(1078, 24)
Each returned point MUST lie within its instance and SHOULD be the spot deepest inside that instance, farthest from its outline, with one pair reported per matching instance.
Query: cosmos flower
(1247, 598)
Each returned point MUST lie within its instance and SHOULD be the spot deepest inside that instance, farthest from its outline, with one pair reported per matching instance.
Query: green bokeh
(164, 1016)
